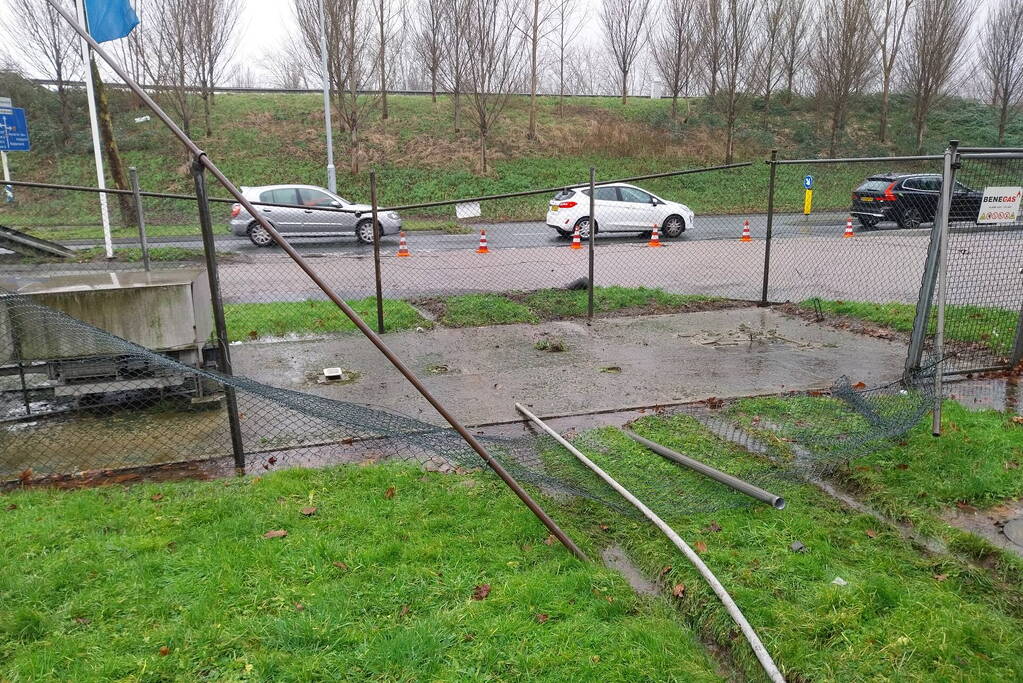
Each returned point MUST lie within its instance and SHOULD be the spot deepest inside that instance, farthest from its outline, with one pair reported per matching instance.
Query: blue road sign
(13, 130)
(808, 182)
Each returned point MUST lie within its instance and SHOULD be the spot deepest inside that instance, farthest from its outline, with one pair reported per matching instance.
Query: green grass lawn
(992, 327)
(276, 319)
(473, 310)
(177, 582)
(903, 614)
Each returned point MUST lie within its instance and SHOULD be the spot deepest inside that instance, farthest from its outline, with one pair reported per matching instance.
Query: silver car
(301, 217)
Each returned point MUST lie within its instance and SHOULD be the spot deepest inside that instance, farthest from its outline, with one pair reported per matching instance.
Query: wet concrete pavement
(613, 364)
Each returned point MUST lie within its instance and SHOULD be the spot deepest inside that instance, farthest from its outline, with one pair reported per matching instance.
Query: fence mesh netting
(80, 403)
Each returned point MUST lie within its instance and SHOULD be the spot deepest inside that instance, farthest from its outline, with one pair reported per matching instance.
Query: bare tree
(675, 48)
(132, 51)
(888, 32)
(388, 18)
(934, 55)
(739, 27)
(624, 22)
(491, 66)
(569, 23)
(712, 29)
(794, 41)
(287, 68)
(429, 38)
(49, 44)
(213, 24)
(772, 18)
(349, 66)
(535, 24)
(842, 59)
(452, 73)
(1001, 57)
(173, 46)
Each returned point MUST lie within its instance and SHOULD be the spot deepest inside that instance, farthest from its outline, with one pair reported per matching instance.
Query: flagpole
(331, 172)
(97, 151)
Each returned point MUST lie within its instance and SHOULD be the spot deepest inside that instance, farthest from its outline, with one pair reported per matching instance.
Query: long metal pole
(947, 180)
(733, 610)
(97, 151)
(201, 158)
(777, 502)
(1017, 351)
(133, 176)
(325, 82)
(377, 276)
(8, 190)
(593, 234)
(770, 226)
(219, 321)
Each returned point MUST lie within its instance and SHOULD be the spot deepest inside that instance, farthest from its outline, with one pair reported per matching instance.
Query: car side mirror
(654, 202)
(335, 203)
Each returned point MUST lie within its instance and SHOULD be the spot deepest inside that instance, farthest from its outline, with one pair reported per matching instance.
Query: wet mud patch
(1000, 525)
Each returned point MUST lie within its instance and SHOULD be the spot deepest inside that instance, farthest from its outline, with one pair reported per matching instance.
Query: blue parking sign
(808, 182)
(13, 130)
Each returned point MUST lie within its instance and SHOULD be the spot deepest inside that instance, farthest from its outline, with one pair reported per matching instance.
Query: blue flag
(110, 19)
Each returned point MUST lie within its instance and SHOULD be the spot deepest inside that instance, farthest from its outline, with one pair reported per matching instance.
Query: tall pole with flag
(331, 172)
(104, 20)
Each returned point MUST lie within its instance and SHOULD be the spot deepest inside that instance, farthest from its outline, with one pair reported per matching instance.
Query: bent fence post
(593, 232)
(376, 252)
(770, 225)
(201, 159)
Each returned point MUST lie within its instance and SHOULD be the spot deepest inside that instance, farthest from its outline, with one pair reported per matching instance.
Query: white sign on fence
(1000, 205)
(467, 210)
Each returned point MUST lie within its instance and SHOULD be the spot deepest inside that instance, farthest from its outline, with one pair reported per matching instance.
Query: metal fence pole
(219, 322)
(944, 203)
(1017, 351)
(376, 252)
(770, 226)
(133, 175)
(593, 233)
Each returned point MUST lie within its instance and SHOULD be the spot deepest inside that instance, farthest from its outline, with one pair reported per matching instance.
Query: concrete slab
(612, 364)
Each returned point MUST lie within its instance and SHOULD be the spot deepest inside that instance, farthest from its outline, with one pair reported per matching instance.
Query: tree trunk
(483, 153)
(534, 44)
(886, 86)
(383, 66)
(1003, 119)
(65, 112)
(674, 107)
(354, 144)
(114, 164)
(625, 86)
(433, 84)
(458, 110)
(207, 94)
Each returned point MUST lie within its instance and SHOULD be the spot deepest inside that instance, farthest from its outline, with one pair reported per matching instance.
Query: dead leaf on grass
(665, 570)
(871, 533)
(308, 511)
(604, 527)
(341, 565)
(481, 591)
(714, 526)
(83, 620)
(965, 507)
(700, 547)
(299, 607)
(940, 577)
(156, 497)
(1017, 419)
(859, 385)
(404, 610)
(542, 618)
(549, 540)
(679, 590)
(164, 651)
(902, 466)
(389, 493)
(714, 402)
(276, 533)
(12, 506)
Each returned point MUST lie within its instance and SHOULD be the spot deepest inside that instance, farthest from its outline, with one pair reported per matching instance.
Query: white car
(619, 207)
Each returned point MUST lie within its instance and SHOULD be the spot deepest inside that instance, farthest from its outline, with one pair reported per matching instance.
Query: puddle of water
(614, 557)
(989, 524)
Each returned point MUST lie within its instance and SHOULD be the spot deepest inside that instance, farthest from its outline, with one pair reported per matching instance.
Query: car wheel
(910, 219)
(868, 222)
(564, 233)
(364, 231)
(673, 226)
(584, 227)
(259, 235)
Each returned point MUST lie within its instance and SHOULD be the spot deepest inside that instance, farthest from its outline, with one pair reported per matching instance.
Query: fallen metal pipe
(770, 668)
(777, 502)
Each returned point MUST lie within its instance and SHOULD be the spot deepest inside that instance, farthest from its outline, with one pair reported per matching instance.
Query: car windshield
(873, 186)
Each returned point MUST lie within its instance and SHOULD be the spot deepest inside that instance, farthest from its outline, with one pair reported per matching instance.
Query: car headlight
(393, 215)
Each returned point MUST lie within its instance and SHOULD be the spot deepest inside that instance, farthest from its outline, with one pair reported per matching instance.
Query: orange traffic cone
(848, 228)
(655, 238)
(482, 249)
(746, 237)
(402, 245)
(577, 241)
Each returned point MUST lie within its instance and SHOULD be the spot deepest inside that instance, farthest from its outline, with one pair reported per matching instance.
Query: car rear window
(873, 186)
(279, 196)
(563, 195)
